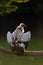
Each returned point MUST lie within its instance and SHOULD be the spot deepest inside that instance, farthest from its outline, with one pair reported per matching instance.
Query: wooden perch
(5, 50)
(26, 53)
(33, 53)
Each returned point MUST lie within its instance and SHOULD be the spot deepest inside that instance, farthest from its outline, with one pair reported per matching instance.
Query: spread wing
(26, 37)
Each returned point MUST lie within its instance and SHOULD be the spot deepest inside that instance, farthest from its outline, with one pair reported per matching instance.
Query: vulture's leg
(20, 51)
(16, 49)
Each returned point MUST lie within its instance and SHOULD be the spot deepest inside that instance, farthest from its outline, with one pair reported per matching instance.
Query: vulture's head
(21, 26)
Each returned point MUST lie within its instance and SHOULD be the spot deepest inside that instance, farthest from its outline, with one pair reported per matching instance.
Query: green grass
(7, 59)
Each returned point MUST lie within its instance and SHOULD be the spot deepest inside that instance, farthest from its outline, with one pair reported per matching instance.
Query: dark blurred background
(29, 12)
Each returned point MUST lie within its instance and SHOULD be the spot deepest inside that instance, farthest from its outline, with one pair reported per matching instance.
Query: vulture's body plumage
(18, 39)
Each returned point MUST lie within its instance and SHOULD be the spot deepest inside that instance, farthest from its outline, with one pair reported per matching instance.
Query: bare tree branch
(33, 53)
(5, 50)
(26, 53)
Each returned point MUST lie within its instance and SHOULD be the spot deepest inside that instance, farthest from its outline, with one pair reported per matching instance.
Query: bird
(18, 40)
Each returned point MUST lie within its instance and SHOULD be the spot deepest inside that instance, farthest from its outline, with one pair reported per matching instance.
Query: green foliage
(20, 1)
(36, 6)
(6, 7)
